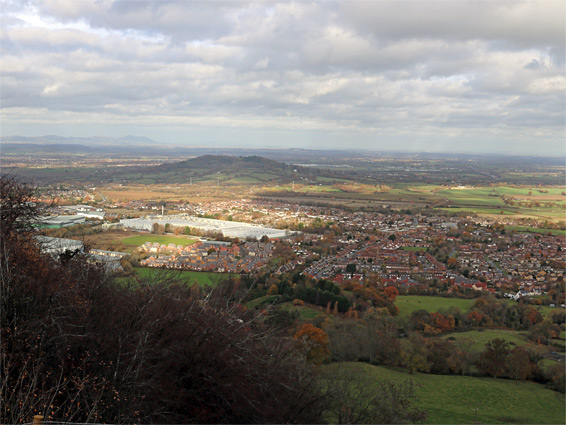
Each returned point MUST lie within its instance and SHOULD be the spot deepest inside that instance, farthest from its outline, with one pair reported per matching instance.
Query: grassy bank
(453, 399)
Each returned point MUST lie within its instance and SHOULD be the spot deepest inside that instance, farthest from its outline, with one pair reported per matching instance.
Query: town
(415, 253)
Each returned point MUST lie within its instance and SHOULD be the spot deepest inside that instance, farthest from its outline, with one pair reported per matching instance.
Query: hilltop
(223, 168)
(224, 163)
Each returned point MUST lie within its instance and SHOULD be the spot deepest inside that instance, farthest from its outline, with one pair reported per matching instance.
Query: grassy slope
(305, 312)
(453, 399)
(409, 303)
(203, 278)
(140, 240)
(480, 338)
(555, 232)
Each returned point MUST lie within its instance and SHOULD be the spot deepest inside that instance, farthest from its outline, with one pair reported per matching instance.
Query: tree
(452, 263)
(18, 211)
(493, 360)
(391, 293)
(414, 356)
(440, 355)
(313, 343)
(351, 268)
(158, 229)
(519, 365)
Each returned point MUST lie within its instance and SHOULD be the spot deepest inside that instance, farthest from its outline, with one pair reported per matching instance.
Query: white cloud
(380, 69)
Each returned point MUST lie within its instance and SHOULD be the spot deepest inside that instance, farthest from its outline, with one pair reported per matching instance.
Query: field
(542, 203)
(130, 241)
(305, 312)
(539, 203)
(261, 301)
(141, 239)
(407, 304)
(481, 337)
(555, 232)
(189, 277)
(451, 399)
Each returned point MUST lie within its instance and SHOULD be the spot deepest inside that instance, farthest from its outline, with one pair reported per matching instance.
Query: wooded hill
(218, 168)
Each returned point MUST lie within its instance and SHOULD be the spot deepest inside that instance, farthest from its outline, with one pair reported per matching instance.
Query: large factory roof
(230, 229)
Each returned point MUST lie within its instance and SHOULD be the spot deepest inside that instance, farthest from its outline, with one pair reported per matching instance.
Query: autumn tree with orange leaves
(313, 342)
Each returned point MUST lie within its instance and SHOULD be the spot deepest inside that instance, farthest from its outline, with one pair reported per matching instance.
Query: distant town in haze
(283, 212)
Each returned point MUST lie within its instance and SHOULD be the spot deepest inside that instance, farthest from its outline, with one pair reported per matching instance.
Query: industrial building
(231, 229)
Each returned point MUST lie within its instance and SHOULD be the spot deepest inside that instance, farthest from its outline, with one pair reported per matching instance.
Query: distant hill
(224, 163)
(224, 168)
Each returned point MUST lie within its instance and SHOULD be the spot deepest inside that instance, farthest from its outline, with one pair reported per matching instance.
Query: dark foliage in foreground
(76, 347)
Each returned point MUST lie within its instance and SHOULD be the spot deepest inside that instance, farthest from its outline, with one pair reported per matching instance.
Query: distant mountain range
(144, 146)
(52, 139)
(137, 146)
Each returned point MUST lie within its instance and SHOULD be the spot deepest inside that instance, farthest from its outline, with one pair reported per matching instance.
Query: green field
(474, 197)
(409, 303)
(478, 210)
(305, 312)
(451, 399)
(482, 337)
(555, 232)
(140, 240)
(202, 278)
(261, 301)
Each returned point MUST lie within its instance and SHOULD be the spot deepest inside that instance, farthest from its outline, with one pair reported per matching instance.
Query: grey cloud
(396, 69)
(523, 23)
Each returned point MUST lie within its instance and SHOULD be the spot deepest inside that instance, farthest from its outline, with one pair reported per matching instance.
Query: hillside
(224, 163)
(222, 169)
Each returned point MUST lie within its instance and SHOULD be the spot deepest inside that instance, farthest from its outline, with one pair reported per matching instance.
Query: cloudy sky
(478, 76)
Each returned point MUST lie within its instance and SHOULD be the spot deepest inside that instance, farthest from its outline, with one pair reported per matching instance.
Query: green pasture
(265, 300)
(543, 212)
(451, 399)
(478, 210)
(481, 192)
(479, 338)
(407, 304)
(547, 311)
(244, 180)
(305, 312)
(471, 197)
(140, 240)
(189, 277)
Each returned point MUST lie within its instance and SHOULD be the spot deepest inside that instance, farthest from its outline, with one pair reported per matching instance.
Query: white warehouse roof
(232, 229)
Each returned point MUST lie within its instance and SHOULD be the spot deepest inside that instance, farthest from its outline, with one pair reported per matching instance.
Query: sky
(433, 76)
